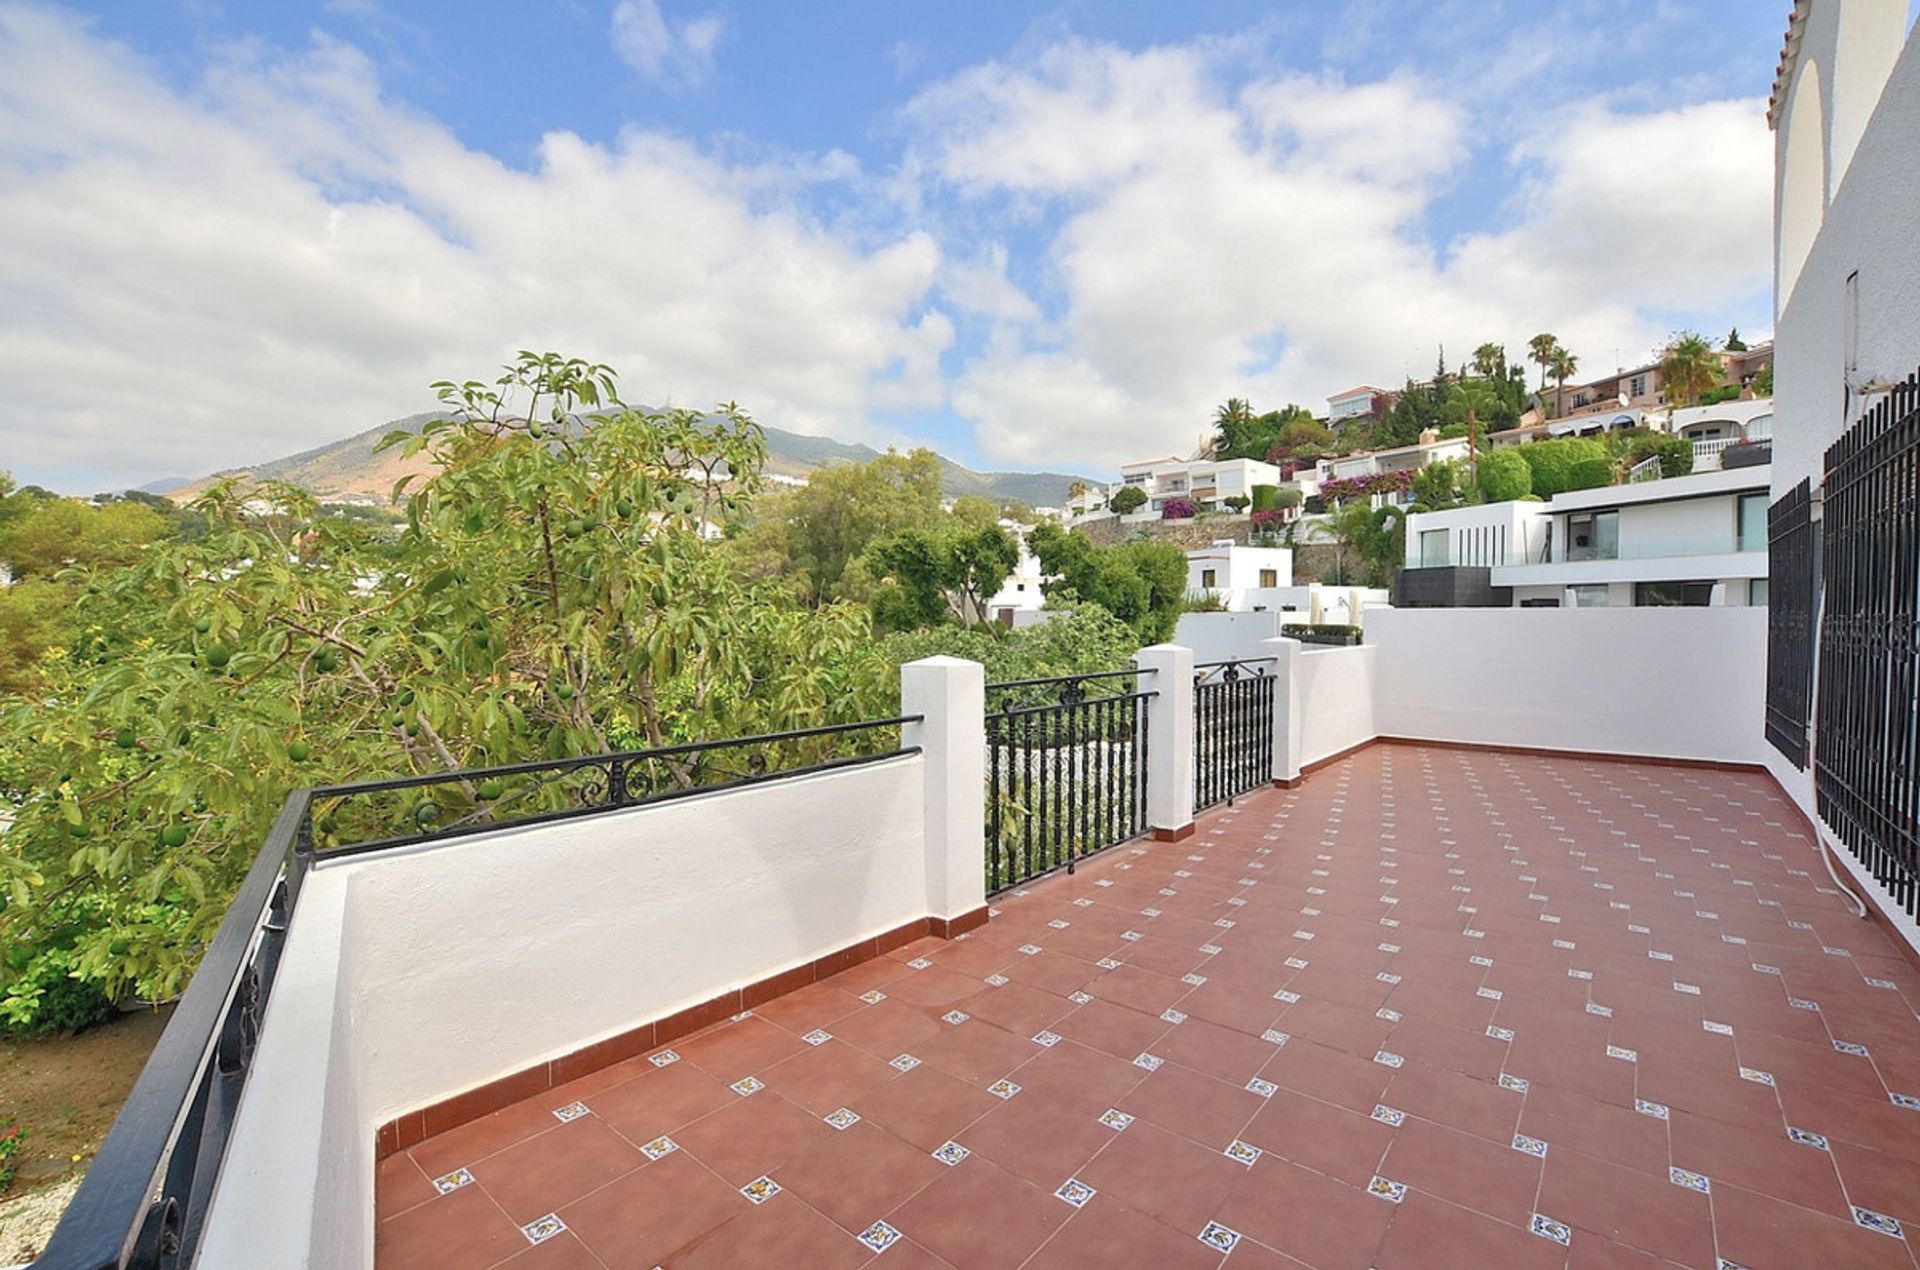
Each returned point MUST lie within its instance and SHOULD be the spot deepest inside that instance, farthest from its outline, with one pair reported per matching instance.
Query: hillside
(349, 469)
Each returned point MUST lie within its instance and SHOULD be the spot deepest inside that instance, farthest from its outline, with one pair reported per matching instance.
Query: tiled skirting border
(416, 1126)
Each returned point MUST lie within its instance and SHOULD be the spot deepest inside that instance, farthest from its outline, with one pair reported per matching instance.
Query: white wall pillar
(1169, 739)
(1288, 720)
(952, 693)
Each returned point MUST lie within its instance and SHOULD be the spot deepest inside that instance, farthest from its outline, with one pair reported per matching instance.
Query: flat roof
(1736, 480)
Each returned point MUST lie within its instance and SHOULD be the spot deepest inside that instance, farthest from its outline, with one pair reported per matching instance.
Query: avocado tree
(550, 592)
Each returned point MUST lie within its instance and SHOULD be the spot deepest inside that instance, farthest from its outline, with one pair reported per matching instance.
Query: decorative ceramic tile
(1059, 923)
(1387, 1189)
(1115, 1119)
(1491, 994)
(1547, 1228)
(1171, 1015)
(1480, 961)
(1836, 952)
(747, 1086)
(845, 1118)
(1691, 1180)
(879, 1236)
(1387, 1058)
(1048, 1039)
(571, 1112)
(1623, 1054)
(1639, 930)
(1080, 998)
(1385, 977)
(950, 1153)
(1518, 1084)
(1766, 970)
(1881, 983)
(1244, 1152)
(1265, 1088)
(1131, 935)
(1391, 1016)
(1529, 1146)
(1718, 1029)
(1030, 950)
(761, 1189)
(873, 996)
(955, 1017)
(1075, 1192)
(541, 1229)
(1564, 944)
(1273, 1036)
(1759, 1077)
(918, 963)
(1219, 1238)
(447, 1183)
(1500, 1033)
(1905, 1100)
(996, 981)
(1150, 1062)
(1003, 1089)
(903, 1063)
(1212, 950)
(1287, 995)
(1658, 1110)
(1470, 933)
(1801, 1003)
(1108, 963)
(1880, 1223)
(665, 1058)
(1388, 948)
(1297, 963)
(817, 1037)
(1389, 1115)
(1603, 1011)
(1303, 935)
(659, 1148)
(1807, 1138)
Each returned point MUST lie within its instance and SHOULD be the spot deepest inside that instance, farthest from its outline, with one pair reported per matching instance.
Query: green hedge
(1264, 496)
(1323, 634)
(1591, 474)
(1553, 462)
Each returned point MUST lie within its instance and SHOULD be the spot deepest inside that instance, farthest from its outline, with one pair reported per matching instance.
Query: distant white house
(1353, 403)
(1427, 450)
(1021, 593)
(1237, 576)
(1199, 481)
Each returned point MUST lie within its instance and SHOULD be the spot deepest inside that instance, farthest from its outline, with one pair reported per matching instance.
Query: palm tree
(1541, 349)
(1231, 420)
(1562, 368)
(1490, 360)
(1689, 366)
(1473, 398)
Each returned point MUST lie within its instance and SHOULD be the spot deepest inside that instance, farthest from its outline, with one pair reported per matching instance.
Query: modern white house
(1724, 426)
(1690, 540)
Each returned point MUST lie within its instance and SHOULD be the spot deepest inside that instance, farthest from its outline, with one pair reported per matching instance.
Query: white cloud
(1271, 240)
(281, 255)
(661, 49)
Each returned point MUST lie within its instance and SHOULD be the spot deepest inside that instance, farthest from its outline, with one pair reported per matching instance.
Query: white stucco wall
(1336, 695)
(412, 976)
(1224, 636)
(1659, 682)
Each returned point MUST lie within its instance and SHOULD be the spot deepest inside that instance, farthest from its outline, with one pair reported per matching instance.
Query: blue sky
(1035, 236)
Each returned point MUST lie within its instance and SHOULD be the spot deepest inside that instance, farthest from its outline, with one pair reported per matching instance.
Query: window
(1637, 386)
(1269, 577)
(1752, 522)
(1206, 578)
(1433, 548)
(1593, 536)
(1757, 592)
(1592, 597)
(1672, 594)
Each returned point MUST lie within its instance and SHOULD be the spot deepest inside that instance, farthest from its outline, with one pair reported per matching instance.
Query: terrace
(1376, 955)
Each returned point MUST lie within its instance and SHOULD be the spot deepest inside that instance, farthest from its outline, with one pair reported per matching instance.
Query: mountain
(349, 469)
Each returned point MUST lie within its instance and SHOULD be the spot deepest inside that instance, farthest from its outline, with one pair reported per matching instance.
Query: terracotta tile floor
(1432, 1008)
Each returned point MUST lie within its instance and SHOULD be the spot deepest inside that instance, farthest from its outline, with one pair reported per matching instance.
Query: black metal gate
(1232, 729)
(1066, 771)
(1867, 744)
(1791, 553)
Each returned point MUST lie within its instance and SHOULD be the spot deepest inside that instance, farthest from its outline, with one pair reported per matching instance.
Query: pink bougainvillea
(1178, 509)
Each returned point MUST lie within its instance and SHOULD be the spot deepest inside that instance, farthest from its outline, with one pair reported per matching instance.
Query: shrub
(1505, 475)
(1269, 520)
(1237, 503)
(11, 1138)
(1591, 474)
(1264, 496)
(1553, 462)
(46, 999)
(1127, 499)
(1286, 499)
(1178, 509)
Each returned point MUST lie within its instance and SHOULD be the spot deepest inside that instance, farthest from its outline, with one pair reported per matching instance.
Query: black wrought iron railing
(1232, 729)
(1066, 771)
(1792, 550)
(143, 1203)
(1867, 742)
